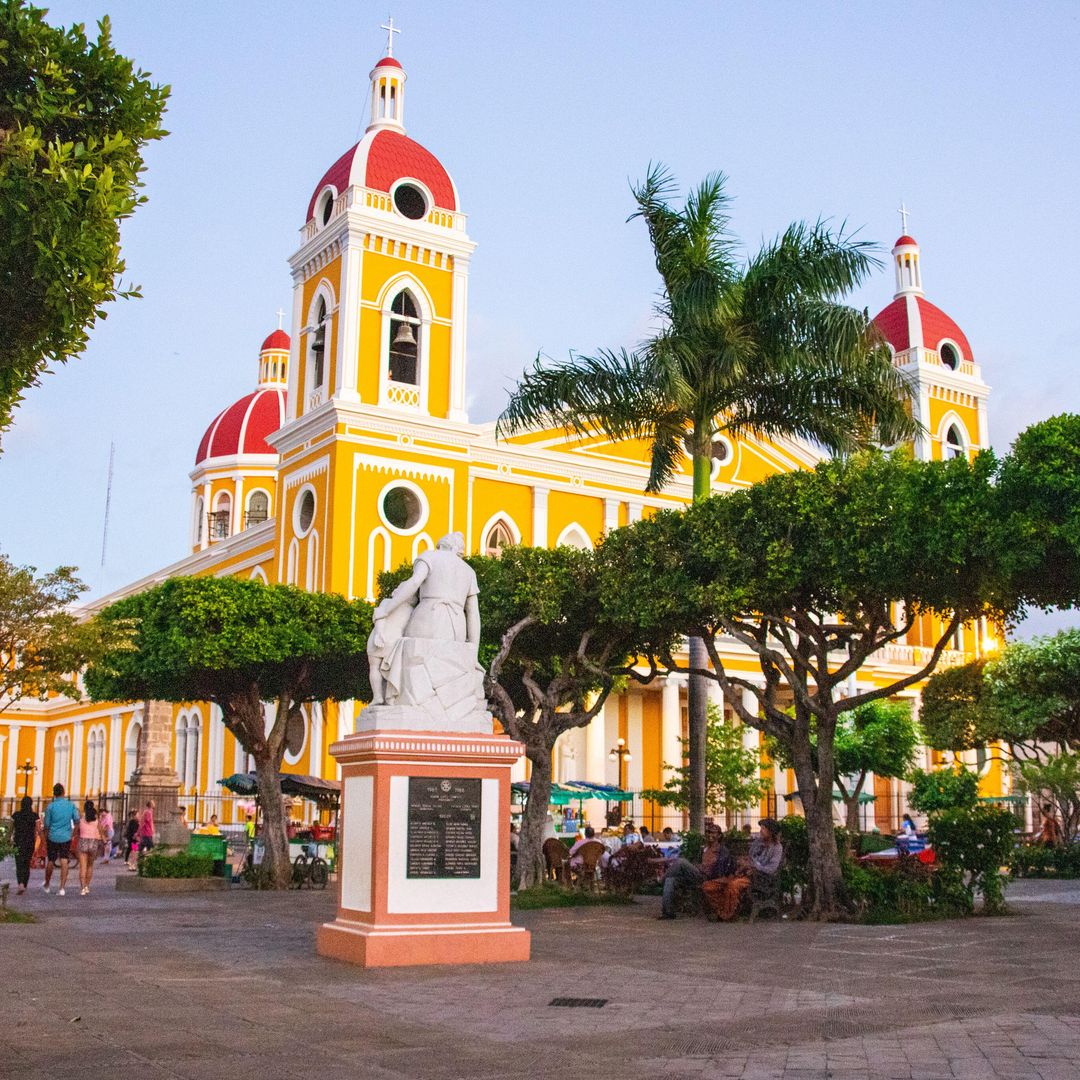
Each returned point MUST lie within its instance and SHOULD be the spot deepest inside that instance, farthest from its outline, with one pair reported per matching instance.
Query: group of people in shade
(62, 833)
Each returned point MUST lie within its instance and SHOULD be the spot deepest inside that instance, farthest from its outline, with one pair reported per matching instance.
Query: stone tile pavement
(228, 986)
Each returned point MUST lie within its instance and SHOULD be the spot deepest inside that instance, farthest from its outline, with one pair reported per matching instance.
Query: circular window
(295, 735)
(721, 454)
(949, 356)
(326, 207)
(402, 508)
(410, 201)
(305, 511)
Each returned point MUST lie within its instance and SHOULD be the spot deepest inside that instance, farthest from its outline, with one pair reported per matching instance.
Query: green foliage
(160, 864)
(731, 771)
(879, 737)
(1040, 861)
(692, 847)
(942, 789)
(1040, 497)
(7, 846)
(10, 915)
(43, 643)
(976, 841)
(954, 713)
(908, 891)
(211, 639)
(1056, 778)
(75, 118)
(549, 895)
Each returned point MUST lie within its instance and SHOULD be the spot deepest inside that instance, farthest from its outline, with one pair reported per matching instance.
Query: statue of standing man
(437, 604)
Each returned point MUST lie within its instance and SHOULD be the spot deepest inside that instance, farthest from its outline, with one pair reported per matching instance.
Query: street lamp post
(28, 770)
(620, 754)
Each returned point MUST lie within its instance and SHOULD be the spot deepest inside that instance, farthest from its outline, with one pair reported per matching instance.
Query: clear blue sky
(541, 113)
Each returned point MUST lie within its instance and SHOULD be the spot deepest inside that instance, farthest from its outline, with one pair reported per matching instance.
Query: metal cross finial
(280, 317)
(903, 212)
(391, 30)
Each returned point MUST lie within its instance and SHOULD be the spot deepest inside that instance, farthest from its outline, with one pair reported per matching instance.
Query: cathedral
(354, 453)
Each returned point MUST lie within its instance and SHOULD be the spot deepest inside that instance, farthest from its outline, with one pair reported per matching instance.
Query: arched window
(405, 332)
(954, 443)
(318, 345)
(498, 537)
(200, 509)
(180, 760)
(574, 536)
(62, 759)
(949, 355)
(191, 762)
(132, 745)
(221, 519)
(95, 761)
(258, 508)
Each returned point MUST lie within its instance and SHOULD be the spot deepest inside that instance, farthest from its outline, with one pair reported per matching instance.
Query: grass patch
(10, 915)
(553, 896)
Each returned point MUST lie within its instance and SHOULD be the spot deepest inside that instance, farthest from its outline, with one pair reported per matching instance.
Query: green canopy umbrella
(240, 783)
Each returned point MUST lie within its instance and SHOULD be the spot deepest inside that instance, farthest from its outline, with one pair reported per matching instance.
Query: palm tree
(761, 346)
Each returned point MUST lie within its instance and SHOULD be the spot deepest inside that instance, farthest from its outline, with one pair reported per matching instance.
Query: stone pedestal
(155, 778)
(424, 850)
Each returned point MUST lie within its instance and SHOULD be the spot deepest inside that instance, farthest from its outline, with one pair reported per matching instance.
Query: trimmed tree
(43, 642)
(813, 573)
(746, 346)
(239, 644)
(75, 118)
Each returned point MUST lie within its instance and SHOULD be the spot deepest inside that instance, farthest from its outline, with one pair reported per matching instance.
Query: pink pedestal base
(386, 918)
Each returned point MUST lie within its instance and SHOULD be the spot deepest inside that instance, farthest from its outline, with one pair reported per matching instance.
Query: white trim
(425, 507)
(392, 288)
(504, 518)
(429, 199)
(299, 531)
(317, 206)
(949, 420)
(258, 574)
(574, 530)
(372, 575)
(292, 562)
(960, 357)
(422, 539)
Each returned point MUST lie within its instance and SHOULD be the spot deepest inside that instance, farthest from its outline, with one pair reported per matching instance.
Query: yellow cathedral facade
(354, 453)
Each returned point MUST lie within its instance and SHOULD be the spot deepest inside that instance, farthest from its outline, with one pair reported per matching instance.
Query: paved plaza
(228, 985)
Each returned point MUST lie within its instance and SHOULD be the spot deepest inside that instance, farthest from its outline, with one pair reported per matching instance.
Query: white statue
(422, 652)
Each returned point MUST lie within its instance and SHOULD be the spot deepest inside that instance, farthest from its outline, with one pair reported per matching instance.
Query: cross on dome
(280, 317)
(903, 212)
(391, 30)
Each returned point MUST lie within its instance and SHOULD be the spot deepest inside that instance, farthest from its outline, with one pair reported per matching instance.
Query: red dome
(278, 341)
(379, 160)
(904, 241)
(244, 426)
(892, 321)
(388, 61)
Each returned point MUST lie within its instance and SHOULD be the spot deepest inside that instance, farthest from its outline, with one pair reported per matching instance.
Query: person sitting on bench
(716, 862)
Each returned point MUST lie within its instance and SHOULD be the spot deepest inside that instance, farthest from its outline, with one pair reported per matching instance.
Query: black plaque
(443, 828)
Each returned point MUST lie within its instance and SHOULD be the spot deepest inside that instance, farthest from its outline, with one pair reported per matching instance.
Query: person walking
(89, 845)
(146, 827)
(108, 831)
(25, 823)
(131, 839)
(59, 823)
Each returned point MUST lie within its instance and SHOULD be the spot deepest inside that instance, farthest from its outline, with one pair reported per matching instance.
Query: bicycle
(310, 868)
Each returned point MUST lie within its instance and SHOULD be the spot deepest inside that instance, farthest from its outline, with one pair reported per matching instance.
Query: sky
(543, 114)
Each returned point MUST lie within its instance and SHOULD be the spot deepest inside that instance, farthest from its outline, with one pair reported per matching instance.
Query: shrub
(7, 830)
(977, 841)
(692, 847)
(905, 891)
(1038, 861)
(943, 789)
(159, 864)
(549, 895)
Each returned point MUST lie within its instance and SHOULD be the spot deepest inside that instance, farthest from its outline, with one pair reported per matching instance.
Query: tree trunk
(697, 690)
(276, 865)
(697, 726)
(826, 881)
(534, 819)
(851, 805)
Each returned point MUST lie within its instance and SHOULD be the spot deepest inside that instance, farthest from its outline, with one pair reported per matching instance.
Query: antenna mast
(108, 503)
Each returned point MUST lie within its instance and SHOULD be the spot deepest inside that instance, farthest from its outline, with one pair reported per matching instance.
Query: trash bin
(214, 846)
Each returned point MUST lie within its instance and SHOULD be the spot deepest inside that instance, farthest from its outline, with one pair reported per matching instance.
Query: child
(131, 847)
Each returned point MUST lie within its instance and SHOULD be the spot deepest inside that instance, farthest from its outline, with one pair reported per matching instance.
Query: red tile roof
(388, 61)
(905, 239)
(892, 321)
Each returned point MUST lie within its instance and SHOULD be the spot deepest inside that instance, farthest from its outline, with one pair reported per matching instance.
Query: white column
(39, 760)
(871, 816)
(637, 510)
(238, 507)
(5, 790)
(611, 514)
(316, 737)
(716, 696)
(295, 389)
(348, 337)
(217, 749)
(116, 750)
(459, 315)
(611, 738)
(346, 722)
(671, 725)
(540, 517)
(11, 785)
(635, 743)
(77, 736)
(204, 525)
(595, 750)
